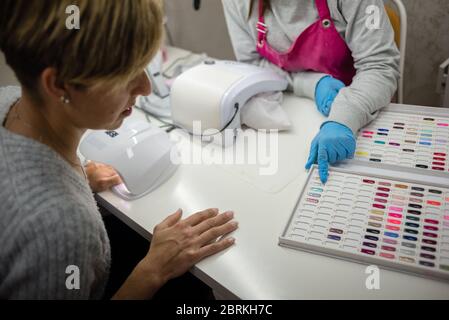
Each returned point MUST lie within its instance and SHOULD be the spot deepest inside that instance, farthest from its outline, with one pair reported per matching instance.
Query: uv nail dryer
(141, 153)
(213, 93)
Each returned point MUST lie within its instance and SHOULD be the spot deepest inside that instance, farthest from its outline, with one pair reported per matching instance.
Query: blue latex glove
(325, 92)
(335, 142)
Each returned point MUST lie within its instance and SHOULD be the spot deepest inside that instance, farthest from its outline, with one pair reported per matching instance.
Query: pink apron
(319, 48)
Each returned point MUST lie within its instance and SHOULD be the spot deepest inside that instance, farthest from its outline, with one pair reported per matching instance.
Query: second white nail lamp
(141, 153)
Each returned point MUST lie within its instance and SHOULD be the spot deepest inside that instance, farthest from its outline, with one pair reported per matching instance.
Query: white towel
(264, 111)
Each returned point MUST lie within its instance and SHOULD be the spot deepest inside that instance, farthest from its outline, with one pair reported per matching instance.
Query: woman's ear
(51, 87)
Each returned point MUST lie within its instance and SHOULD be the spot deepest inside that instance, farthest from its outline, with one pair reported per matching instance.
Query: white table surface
(256, 267)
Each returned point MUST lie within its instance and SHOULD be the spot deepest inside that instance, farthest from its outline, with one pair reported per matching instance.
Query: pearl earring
(65, 100)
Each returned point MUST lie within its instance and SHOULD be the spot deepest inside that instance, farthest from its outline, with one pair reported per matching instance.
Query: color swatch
(408, 140)
(401, 225)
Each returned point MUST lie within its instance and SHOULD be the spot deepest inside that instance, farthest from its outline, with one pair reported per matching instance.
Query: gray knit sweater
(49, 221)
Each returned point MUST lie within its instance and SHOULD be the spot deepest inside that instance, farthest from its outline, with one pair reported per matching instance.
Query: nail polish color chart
(371, 219)
(408, 140)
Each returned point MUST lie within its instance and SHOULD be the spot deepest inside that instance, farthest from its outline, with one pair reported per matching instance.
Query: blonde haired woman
(73, 80)
(331, 52)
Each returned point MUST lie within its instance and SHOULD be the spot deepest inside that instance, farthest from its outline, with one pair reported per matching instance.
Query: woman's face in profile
(104, 108)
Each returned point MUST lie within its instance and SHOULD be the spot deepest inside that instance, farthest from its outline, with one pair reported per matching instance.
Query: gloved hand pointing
(335, 142)
(325, 92)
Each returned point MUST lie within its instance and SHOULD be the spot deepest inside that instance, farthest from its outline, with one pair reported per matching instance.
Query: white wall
(7, 76)
(427, 48)
(199, 31)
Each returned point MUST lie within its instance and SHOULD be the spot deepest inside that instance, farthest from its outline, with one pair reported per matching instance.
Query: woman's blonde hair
(115, 41)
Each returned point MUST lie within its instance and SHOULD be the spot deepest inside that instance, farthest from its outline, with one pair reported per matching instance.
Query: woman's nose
(143, 87)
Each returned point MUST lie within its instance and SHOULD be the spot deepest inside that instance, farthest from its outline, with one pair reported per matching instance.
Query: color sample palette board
(404, 139)
(373, 219)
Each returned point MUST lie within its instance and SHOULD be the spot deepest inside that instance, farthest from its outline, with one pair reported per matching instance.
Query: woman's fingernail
(231, 240)
(234, 224)
(229, 214)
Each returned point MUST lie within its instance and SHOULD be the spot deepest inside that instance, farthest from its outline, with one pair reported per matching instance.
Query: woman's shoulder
(39, 189)
(31, 173)
(52, 217)
(58, 224)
